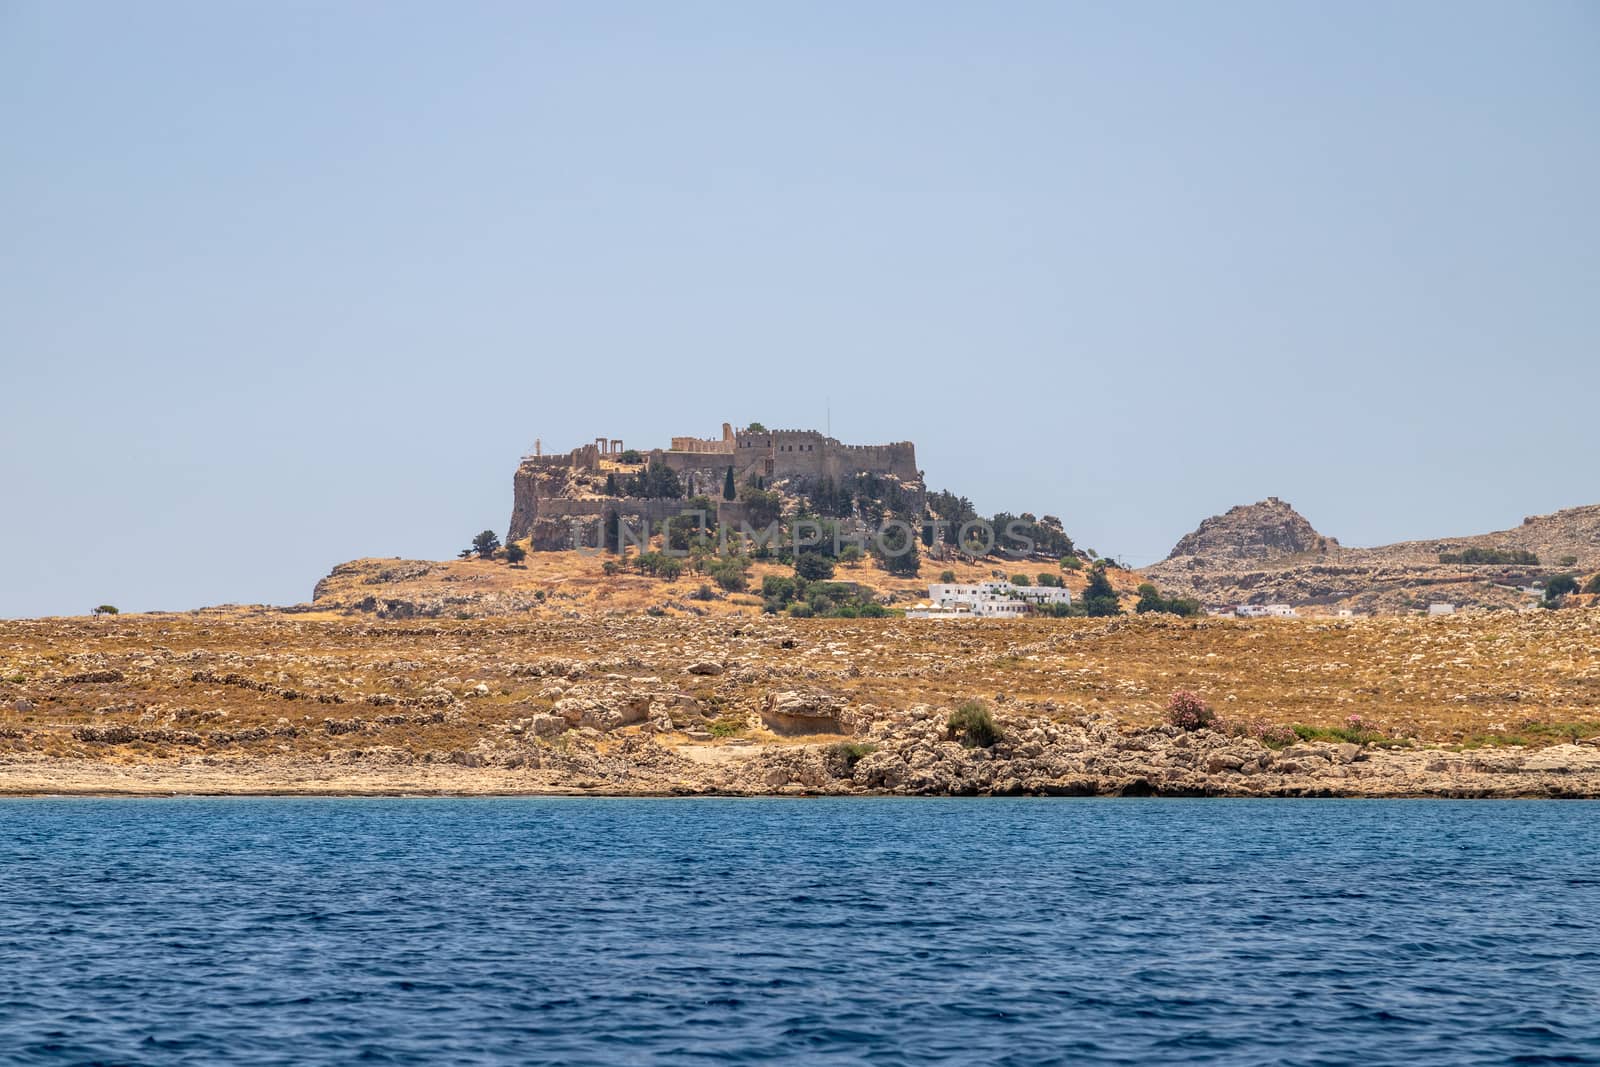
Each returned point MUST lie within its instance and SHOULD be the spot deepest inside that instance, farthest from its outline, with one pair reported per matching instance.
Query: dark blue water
(845, 931)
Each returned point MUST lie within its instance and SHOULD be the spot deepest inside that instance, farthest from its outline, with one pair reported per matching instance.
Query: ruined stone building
(550, 491)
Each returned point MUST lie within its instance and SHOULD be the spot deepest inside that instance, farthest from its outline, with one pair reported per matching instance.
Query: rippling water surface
(815, 931)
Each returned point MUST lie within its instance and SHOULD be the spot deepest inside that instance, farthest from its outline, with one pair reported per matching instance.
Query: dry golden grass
(208, 679)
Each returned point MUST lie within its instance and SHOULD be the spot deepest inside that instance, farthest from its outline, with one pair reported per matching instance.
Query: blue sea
(882, 931)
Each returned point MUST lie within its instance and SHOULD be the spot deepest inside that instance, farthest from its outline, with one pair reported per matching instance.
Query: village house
(994, 599)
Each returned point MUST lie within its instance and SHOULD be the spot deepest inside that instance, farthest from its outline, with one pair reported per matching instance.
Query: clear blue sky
(283, 284)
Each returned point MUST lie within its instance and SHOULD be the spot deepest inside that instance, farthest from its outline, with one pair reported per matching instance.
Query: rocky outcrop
(1267, 552)
(1265, 530)
(793, 711)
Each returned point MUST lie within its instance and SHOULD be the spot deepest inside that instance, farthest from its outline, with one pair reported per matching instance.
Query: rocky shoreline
(903, 755)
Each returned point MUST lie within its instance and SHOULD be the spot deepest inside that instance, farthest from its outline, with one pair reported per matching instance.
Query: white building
(994, 599)
(1441, 609)
(1265, 611)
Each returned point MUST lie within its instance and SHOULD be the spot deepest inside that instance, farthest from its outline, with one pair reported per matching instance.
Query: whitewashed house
(993, 599)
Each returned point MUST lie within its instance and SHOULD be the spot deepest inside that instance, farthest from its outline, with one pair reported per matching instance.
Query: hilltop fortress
(550, 492)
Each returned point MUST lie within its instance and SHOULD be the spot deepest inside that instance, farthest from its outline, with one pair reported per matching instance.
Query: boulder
(796, 711)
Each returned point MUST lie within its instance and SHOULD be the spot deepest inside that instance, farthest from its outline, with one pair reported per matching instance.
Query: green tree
(729, 490)
(515, 553)
(755, 427)
(485, 544)
(630, 456)
(611, 485)
(661, 482)
(1020, 579)
(902, 563)
(850, 555)
(947, 577)
(1052, 581)
(106, 609)
(1099, 598)
(762, 506)
(813, 566)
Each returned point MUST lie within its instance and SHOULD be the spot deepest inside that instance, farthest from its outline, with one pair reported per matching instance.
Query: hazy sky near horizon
(284, 284)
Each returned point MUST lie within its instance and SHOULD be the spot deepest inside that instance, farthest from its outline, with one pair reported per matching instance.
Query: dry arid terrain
(1267, 551)
(266, 701)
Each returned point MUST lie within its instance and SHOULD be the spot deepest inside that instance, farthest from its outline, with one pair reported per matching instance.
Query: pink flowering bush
(1186, 710)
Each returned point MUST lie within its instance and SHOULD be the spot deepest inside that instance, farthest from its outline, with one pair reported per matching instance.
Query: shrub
(972, 725)
(850, 753)
(850, 555)
(777, 587)
(1593, 586)
(1021, 579)
(800, 610)
(1186, 710)
(1150, 599)
(1071, 563)
(1569, 561)
(106, 609)
(1050, 581)
(727, 726)
(630, 456)
(611, 567)
(729, 573)
(703, 593)
(1557, 588)
(1497, 556)
(515, 553)
(947, 577)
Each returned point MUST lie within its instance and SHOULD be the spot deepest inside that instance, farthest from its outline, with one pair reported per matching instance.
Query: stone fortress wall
(541, 486)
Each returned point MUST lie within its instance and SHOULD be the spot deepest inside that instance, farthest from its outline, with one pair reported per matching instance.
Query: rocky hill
(1268, 553)
(1266, 530)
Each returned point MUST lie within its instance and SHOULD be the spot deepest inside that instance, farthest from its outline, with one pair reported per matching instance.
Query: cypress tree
(728, 492)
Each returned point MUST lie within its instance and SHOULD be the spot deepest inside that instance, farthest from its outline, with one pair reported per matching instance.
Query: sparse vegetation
(727, 726)
(106, 609)
(1151, 600)
(850, 753)
(972, 725)
(1491, 556)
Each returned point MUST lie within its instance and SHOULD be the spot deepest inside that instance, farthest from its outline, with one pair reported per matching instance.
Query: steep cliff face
(1265, 530)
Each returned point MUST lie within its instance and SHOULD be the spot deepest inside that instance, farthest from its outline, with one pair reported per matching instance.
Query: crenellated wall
(548, 490)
